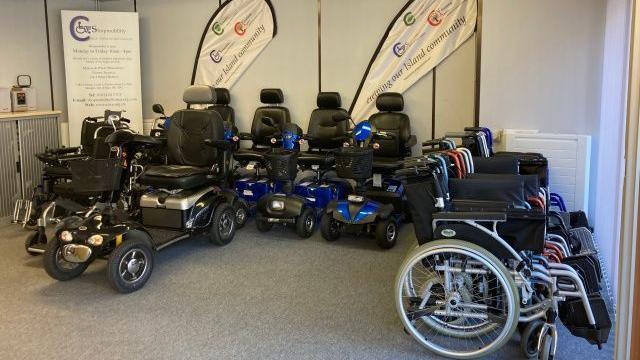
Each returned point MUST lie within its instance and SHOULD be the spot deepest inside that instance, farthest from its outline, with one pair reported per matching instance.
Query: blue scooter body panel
(251, 190)
(364, 213)
(320, 194)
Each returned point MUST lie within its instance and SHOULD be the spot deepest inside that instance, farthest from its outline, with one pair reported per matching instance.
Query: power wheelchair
(492, 257)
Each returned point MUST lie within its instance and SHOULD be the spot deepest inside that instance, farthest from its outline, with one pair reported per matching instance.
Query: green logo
(217, 28)
(409, 19)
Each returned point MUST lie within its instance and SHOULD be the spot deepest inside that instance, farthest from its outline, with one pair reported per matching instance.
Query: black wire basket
(92, 175)
(281, 164)
(354, 163)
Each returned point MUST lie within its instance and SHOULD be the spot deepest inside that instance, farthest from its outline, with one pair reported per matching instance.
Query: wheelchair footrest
(574, 317)
(21, 211)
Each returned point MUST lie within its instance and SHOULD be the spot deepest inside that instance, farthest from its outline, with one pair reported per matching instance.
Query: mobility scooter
(311, 194)
(55, 197)
(178, 200)
(380, 145)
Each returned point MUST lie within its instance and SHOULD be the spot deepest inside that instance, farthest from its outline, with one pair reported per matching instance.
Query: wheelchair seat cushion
(175, 176)
(323, 159)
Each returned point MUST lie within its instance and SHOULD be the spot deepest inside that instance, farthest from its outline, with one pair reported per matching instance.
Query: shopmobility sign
(421, 35)
(102, 66)
(234, 36)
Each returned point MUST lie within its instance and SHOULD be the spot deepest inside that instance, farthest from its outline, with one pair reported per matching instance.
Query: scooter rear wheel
(130, 265)
(329, 228)
(223, 225)
(241, 211)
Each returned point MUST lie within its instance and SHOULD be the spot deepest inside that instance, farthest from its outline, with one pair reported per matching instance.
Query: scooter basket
(354, 163)
(95, 175)
(573, 316)
(281, 164)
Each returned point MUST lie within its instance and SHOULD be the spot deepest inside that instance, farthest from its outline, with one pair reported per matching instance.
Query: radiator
(569, 158)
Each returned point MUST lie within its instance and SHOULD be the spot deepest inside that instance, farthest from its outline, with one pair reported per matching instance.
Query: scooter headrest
(199, 94)
(329, 100)
(390, 101)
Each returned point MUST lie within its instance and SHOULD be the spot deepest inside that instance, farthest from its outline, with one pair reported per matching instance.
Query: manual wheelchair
(492, 259)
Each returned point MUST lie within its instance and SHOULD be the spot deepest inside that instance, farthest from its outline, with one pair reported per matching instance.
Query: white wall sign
(102, 66)
(423, 34)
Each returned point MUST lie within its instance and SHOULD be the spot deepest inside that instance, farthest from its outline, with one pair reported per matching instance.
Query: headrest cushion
(329, 100)
(223, 96)
(271, 96)
(390, 101)
(199, 94)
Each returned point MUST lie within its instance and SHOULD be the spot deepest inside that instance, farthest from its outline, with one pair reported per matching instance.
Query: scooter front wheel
(386, 233)
(262, 224)
(329, 227)
(57, 267)
(130, 265)
(306, 223)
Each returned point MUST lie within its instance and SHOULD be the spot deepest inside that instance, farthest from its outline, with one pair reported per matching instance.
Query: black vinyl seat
(190, 158)
(324, 135)
(222, 107)
(261, 133)
(390, 119)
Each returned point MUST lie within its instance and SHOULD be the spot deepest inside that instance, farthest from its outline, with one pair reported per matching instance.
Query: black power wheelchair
(172, 201)
(493, 257)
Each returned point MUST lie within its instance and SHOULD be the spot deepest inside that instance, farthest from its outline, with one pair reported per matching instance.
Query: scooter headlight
(355, 198)
(277, 205)
(66, 236)
(95, 240)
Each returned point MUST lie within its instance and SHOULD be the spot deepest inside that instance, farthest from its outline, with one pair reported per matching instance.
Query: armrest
(245, 136)
(470, 215)
(64, 150)
(411, 142)
(220, 144)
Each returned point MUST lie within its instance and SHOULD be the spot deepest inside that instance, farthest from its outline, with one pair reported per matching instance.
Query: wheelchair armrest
(411, 142)
(470, 215)
(479, 205)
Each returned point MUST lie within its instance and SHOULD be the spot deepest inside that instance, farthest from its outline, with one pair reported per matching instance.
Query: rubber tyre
(385, 238)
(33, 239)
(545, 348)
(50, 262)
(113, 265)
(261, 224)
(240, 206)
(223, 214)
(326, 230)
(529, 338)
(302, 228)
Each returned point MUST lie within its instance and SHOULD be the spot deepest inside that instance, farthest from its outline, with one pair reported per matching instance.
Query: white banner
(423, 34)
(236, 33)
(102, 66)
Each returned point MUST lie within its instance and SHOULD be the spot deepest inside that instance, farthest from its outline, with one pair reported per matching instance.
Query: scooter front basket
(354, 163)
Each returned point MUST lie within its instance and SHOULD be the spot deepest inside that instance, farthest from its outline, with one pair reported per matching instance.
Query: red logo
(435, 17)
(240, 28)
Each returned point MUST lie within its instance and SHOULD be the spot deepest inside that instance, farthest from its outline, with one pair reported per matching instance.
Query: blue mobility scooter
(301, 205)
(249, 181)
(174, 201)
(381, 144)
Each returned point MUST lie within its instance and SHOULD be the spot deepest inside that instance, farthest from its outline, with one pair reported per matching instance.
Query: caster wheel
(386, 233)
(57, 267)
(241, 210)
(223, 225)
(529, 338)
(34, 239)
(262, 224)
(546, 347)
(306, 223)
(329, 227)
(130, 265)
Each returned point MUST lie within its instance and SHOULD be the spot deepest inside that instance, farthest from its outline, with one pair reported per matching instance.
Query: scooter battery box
(251, 189)
(318, 194)
(390, 192)
(166, 210)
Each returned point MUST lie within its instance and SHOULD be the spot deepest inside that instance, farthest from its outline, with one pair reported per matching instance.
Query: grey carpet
(264, 296)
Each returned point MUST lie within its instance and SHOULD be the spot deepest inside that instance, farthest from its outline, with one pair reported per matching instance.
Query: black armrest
(245, 136)
(411, 142)
(470, 215)
(220, 144)
(64, 150)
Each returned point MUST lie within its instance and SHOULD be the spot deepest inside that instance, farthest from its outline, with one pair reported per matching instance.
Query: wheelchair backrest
(323, 131)
(391, 120)
(509, 190)
(260, 132)
(190, 127)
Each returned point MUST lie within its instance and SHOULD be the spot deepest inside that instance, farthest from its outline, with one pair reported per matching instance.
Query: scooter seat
(386, 164)
(307, 158)
(247, 155)
(175, 176)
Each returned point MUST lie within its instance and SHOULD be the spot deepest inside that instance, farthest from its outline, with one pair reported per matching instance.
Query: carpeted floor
(267, 296)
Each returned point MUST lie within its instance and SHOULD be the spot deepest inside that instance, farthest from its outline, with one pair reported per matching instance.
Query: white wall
(24, 47)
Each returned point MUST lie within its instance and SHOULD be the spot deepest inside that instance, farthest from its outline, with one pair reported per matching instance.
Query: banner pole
(433, 105)
(319, 2)
(476, 110)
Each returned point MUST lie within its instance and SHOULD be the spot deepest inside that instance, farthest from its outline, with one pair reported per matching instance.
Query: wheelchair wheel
(329, 228)
(306, 223)
(529, 338)
(453, 312)
(546, 348)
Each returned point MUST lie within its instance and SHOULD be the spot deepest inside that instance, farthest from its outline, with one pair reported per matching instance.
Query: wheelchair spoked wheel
(457, 299)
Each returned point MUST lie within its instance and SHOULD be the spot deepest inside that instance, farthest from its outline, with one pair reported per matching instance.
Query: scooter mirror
(158, 109)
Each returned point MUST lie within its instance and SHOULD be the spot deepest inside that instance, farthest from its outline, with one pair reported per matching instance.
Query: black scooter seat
(175, 176)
